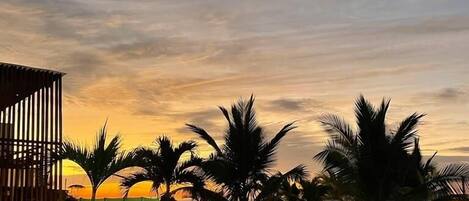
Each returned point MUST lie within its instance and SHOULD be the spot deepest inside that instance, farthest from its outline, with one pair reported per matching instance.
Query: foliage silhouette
(283, 186)
(242, 163)
(370, 163)
(375, 163)
(164, 166)
(99, 162)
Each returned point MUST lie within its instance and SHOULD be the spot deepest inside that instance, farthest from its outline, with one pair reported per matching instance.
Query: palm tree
(243, 162)
(326, 186)
(99, 162)
(376, 163)
(446, 183)
(314, 190)
(294, 186)
(164, 167)
(283, 187)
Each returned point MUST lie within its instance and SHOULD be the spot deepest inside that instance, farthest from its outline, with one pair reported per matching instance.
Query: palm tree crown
(101, 161)
(164, 166)
(243, 161)
(376, 163)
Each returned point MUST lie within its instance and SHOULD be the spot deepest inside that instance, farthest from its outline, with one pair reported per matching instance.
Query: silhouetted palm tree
(283, 187)
(329, 188)
(242, 163)
(312, 190)
(431, 183)
(164, 166)
(375, 163)
(99, 162)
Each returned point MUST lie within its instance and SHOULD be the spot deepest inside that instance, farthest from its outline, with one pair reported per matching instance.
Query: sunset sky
(150, 66)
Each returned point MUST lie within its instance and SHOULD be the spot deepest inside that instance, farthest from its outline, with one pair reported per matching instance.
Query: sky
(151, 66)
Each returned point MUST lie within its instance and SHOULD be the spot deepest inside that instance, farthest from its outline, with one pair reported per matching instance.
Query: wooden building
(30, 133)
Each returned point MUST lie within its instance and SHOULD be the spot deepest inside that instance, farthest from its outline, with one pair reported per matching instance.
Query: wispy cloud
(151, 66)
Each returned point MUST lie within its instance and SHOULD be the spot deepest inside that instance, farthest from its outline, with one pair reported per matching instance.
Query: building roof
(18, 82)
(29, 68)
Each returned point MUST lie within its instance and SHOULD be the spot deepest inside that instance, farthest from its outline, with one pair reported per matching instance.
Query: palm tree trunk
(93, 193)
(168, 188)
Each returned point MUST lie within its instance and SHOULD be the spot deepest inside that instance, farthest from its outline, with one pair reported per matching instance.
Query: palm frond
(454, 171)
(407, 131)
(101, 161)
(186, 146)
(194, 161)
(205, 136)
(380, 114)
(201, 193)
(276, 185)
(189, 177)
(297, 173)
(219, 170)
(121, 162)
(134, 179)
(270, 148)
(429, 167)
(249, 115)
(165, 146)
(336, 161)
(78, 154)
(340, 131)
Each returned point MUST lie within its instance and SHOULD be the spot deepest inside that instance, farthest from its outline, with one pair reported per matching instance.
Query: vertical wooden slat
(11, 134)
(59, 81)
(21, 150)
(4, 171)
(26, 146)
(21, 147)
(2, 148)
(29, 148)
(56, 131)
(33, 145)
(38, 148)
(43, 146)
(46, 137)
(2, 131)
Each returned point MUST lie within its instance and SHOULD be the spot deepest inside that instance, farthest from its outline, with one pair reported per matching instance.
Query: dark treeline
(371, 162)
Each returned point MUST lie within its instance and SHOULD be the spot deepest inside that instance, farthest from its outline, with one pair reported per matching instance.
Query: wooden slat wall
(30, 134)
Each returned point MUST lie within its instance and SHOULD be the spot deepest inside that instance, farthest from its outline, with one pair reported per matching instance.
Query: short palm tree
(99, 162)
(164, 167)
(376, 163)
(446, 183)
(243, 162)
(283, 186)
(314, 190)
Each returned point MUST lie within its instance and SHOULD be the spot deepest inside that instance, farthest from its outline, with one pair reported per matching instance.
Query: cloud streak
(151, 66)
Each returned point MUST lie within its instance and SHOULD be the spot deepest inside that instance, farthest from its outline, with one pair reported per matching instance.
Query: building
(30, 133)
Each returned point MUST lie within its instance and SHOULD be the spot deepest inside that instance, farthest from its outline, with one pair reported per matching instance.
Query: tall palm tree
(99, 162)
(164, 167)
(376, 163)
(240, 164)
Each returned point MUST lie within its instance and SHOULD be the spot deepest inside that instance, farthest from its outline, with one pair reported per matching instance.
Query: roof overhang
(18, 82)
